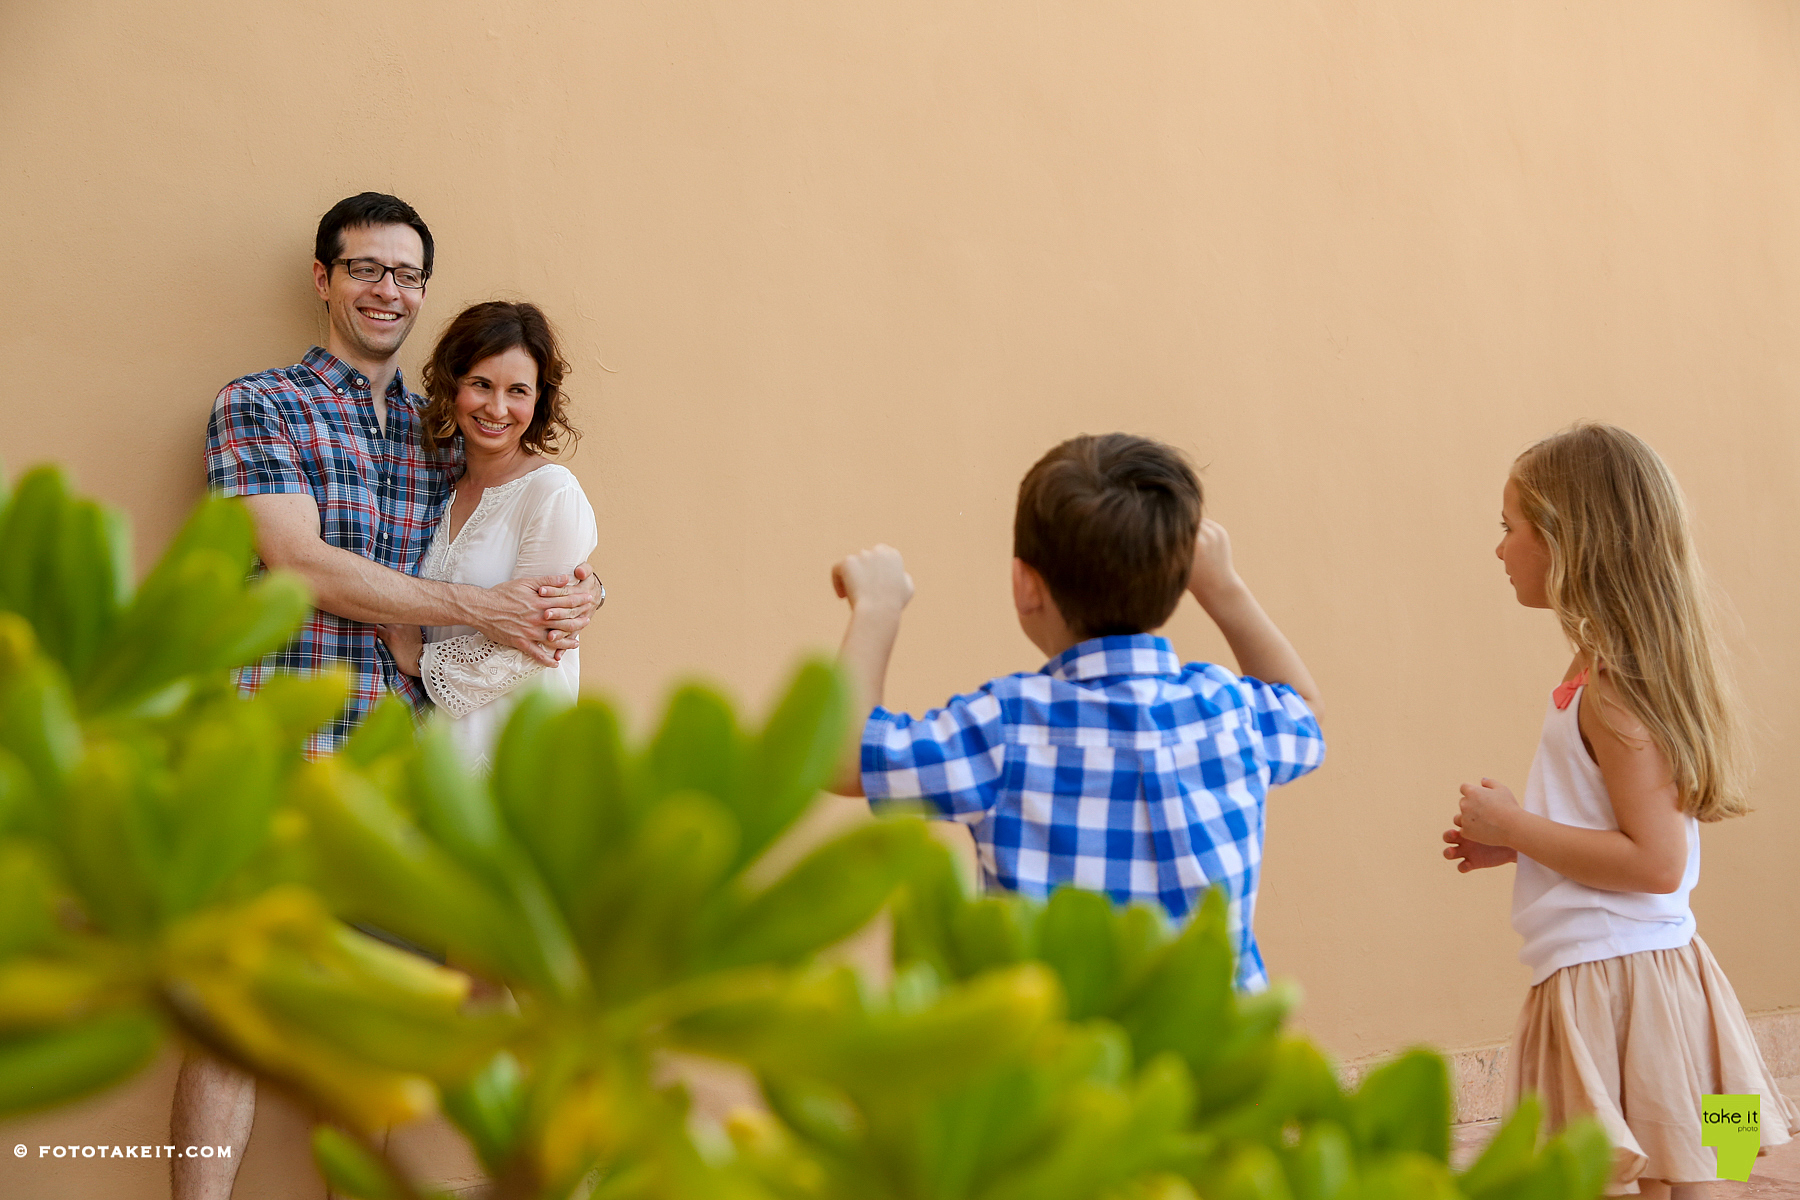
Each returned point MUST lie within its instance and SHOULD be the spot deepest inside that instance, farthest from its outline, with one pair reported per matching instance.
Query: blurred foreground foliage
(170, 864)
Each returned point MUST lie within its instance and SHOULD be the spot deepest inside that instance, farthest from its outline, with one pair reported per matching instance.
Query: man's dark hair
(1110, 522)
(367, 208)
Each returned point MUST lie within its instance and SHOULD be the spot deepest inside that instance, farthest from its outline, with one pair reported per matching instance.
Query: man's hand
(514, 614)
(587, 589)
(1212, 575)
(874, 578)
(587, 593)
(1487, 813)
(1476, 855)
(406, 643)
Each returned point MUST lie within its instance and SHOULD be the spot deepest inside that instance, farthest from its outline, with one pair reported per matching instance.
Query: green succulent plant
(145, 843)
(170, 864)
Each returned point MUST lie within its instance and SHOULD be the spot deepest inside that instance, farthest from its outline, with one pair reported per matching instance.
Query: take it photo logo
(1734, 1125)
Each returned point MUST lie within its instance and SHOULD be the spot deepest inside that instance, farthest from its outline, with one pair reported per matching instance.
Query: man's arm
(1261, 649)
(877, 586)
(351, 586)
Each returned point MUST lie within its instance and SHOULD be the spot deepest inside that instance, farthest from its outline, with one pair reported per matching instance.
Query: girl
(1629, 1016)
(495, 388)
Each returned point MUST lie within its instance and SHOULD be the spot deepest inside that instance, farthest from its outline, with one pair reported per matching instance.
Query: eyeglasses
(370, 271)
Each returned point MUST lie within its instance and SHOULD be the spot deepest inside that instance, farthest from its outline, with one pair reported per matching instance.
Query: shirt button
(340, 391)
(361, 382)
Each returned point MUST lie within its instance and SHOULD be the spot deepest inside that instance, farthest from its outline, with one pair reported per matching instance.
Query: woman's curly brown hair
(482, 331)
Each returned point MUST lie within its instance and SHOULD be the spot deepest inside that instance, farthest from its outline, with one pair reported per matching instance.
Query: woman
(494, 384)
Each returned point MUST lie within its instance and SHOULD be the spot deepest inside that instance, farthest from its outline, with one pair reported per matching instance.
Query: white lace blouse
(539, 524)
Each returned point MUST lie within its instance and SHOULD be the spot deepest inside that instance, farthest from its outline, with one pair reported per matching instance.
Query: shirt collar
(345, 379)
(1120, 654)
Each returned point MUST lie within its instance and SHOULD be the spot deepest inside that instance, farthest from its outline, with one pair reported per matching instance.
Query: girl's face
(496, 400)
(1523, 550)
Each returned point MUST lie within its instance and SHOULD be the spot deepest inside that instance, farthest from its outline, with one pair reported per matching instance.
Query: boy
(1114, 768)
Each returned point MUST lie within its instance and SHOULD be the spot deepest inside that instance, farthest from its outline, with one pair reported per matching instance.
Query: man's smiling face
(369, 321)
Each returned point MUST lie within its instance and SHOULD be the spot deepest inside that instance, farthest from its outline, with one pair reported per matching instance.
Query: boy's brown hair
(1109, 521)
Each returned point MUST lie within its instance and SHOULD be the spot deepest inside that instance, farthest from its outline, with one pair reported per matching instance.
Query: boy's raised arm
(877, 586)
(1261, 649)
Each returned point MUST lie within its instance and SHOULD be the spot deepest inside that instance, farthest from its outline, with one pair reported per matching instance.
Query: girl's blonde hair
(1625, 583)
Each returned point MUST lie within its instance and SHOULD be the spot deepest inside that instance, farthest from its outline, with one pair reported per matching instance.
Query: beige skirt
(1636, 1041)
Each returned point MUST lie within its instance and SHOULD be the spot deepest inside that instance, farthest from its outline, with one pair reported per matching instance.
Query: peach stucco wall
(837, 273)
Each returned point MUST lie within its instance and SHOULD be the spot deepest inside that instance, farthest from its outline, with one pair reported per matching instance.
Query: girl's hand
(405, 643)
(1476, 855)
(1487, 813)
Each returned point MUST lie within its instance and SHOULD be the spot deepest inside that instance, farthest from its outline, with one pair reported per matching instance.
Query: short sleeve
(952, 758)
(248, 450)
(1292, 743)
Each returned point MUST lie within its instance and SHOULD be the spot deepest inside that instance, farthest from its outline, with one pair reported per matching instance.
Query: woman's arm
(561, 531)
(1648, 851)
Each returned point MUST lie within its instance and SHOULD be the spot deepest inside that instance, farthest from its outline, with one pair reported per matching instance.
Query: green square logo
(1734, 1125)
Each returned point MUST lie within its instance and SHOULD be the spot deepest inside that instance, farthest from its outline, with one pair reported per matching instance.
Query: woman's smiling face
(496, 400)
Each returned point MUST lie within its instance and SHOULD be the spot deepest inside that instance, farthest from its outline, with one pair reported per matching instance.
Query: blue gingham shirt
(311, 429)
(1115, 768)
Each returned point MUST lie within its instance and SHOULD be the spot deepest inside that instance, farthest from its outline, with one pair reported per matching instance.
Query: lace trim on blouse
(463, 673)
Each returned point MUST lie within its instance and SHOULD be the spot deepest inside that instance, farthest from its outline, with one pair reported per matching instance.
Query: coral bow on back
(1565, 691)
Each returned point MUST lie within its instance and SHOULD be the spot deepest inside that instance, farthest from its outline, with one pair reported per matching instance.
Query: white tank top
(1564, 922)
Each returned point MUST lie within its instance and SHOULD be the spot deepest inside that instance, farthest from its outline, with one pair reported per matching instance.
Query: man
(327, 456)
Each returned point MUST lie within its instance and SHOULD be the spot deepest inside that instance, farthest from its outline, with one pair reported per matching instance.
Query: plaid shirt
(1114, 768)
(310, 429)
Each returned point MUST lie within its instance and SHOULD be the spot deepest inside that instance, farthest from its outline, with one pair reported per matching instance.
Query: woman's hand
(1476, 855)
(1488, 813)
(405, 643)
